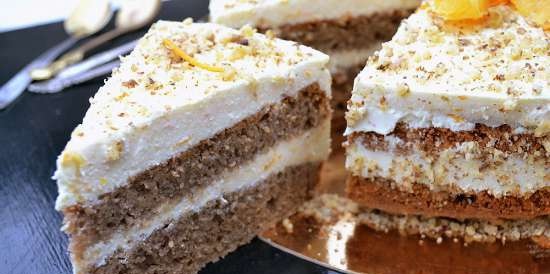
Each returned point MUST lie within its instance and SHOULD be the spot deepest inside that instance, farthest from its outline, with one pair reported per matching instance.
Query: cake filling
(183, 175)
(275, 160)
(462, 167)
(343, 60)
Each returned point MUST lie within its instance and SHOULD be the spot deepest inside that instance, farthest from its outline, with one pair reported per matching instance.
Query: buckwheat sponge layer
(198, 120)
(453, 120)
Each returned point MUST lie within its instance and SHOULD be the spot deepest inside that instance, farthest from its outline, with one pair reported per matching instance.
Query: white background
(16, 14)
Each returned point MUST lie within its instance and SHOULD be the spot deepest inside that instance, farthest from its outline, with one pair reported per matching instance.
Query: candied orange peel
(474, 10)
(536, 10)
(460, 9)
(194, 62)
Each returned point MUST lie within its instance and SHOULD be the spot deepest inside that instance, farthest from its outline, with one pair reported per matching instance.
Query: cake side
(196, 114)
(484, 159)
(450, 120)
(312, 145)
(179, 177)
(218, 228)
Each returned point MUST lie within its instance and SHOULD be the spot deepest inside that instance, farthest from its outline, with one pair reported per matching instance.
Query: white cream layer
(431, 75)
(173, 107)
(340, 61)
(273, 13)
(460, 167)
(312, 146)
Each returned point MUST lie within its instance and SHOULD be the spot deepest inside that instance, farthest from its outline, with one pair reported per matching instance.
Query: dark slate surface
(32, 133)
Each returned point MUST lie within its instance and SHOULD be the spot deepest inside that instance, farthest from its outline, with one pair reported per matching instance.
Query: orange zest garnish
(472, 11)
(493, 3)
(180, 53)
(461, 9)
(536, 10)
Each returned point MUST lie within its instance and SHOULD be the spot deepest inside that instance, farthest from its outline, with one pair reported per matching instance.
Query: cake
(204, 136)
(347, 30)
(449, 123)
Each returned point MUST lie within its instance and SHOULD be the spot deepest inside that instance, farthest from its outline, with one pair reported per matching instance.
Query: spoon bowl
(132, 15)
(88, 17)
(135, 14)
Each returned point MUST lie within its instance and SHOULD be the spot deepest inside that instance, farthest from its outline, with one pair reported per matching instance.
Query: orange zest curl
(493, 3)
(180, 53)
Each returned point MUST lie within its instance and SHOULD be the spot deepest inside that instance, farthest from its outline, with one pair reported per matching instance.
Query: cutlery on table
(56, 85)
(89, 17)
(131, 16)
(72, 74)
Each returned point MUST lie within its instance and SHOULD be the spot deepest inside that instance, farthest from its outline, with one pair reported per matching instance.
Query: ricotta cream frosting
(341, 60)
(273, 13)
(310, 147)
(155, 106)
(463, 167)
(438, 74)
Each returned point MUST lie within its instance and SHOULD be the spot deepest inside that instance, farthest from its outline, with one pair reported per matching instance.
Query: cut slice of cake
(452, 119)
(348, 30)
(203, 137)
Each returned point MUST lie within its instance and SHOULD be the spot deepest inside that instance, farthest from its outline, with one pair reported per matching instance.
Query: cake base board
(342, 243)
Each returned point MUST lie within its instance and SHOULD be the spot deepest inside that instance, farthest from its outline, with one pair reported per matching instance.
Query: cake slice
(348, 30)
(202, 138)
(451, 118)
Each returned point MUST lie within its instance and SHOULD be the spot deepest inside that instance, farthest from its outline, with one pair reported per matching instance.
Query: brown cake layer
(345, 33)
(380, 193)
(195, 168)
(189, 243)
(434, 140)
(342, 85)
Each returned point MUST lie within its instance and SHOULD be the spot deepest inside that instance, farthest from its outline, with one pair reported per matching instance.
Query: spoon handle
(76, 55)
(66, 77)
(18, 83)
(59, 83)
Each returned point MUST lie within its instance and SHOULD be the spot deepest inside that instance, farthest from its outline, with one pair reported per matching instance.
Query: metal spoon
(132, 15)
(97, 17)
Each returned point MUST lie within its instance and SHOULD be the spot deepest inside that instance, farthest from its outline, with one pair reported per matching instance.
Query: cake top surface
(505, 57)
(273, 13)
(153, 80)
(501, 64)
(183, 83)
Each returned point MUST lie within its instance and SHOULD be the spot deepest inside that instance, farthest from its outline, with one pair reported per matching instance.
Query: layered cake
(348, 30)
(202, 138)
(451, 119)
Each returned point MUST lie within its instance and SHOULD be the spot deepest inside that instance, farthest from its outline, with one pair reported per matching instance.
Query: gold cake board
(349, 247)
